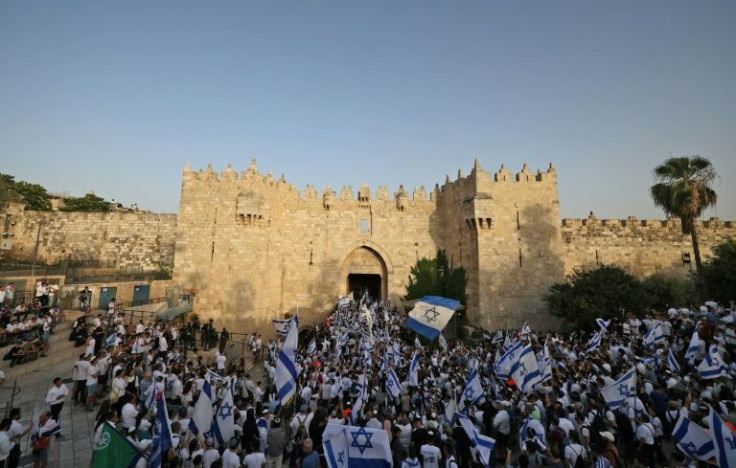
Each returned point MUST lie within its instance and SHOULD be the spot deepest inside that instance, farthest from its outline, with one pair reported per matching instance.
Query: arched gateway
(365, 270)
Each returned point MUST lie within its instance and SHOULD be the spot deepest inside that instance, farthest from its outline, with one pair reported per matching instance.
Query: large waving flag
(504, 363)
(355, 412)
(594, 343)
(201, 422)
(693, 440)
(362, 447)
(286, 375)
(692, 349)
(162, 440)
(712, 366)
(526, 329)
(525, 371)
(603, 324)
(654, 336)
(393, 385)
(224, 425)
(544, 361)
(431, 314)
(482, 443)
(724, 441)
(114, 450)
(617, 393)
(473, 390)
(414, 371)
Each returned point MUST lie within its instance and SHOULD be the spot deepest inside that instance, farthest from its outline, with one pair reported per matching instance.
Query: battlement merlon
(480, 178)
(671, 224)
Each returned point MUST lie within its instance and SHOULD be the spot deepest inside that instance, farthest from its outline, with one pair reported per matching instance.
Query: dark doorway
(358, 284)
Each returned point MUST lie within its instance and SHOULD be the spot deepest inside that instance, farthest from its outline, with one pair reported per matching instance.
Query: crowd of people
(564, 418)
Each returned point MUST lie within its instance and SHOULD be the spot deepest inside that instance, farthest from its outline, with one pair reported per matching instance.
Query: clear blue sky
(118, 96)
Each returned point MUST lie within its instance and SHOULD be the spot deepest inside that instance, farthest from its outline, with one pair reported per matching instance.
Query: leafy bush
(437, 277)
(719, 272)
(606, 291)
(670, 290)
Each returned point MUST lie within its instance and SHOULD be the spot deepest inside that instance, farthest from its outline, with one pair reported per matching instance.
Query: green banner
(113, 450)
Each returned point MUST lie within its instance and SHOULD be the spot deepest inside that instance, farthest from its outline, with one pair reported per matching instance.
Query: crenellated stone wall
(117, 239)
(643, 247)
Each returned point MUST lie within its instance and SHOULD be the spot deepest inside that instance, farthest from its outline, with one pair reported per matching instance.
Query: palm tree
(683, 189)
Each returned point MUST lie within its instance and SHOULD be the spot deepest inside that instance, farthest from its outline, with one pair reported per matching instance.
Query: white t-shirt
(230, 459)
(431, 456)
(254, 460)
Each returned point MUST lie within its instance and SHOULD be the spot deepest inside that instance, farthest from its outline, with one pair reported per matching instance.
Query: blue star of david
(341, 457)
(624, 390)
(431, 314)
(714, 361)
(469, 393)
(522, 369)
(356, 444)
(690, 448)
(731, 441)
(226, 410)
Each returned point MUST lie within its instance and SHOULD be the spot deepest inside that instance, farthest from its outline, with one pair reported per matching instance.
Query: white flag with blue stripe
(617, 393)
(594, 343)
(283, 326)
(414, 371)
(712, 366)
(692, 350)
(545, 364)
(393, 385)
(693, 440)
(355, 412)
(498, 337)
(672, 363)
(525, 371)
(603, 324)
(504, 363)
(526, 329)
(443, 341)
(431, 314)
(473, 392)
(363, 383)
(483, 444)
(162, 440)
(224, 425)
(286, 373)
(201, 422)
(312, 347)
(724, 441)
(362, 447)
(655, 335)
(111, 340)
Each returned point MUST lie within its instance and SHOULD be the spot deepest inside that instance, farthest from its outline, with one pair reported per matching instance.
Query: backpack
(579, 460)
(596, 427)
(301, 431)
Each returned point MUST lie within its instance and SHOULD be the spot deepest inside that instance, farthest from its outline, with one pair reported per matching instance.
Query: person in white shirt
(210, 455)
(55, 398)
(79, 374)
(220, 360)
(429, 453)
(129, 412)
(230, 457)
(255, 458)
(5, 444)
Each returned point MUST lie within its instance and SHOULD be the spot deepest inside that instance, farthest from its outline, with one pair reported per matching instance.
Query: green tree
(719, 272)
(437, 277)
(33, 196)
(7, 190)
(670, 290)
(87, 203)
(683, 189)
(606, 291)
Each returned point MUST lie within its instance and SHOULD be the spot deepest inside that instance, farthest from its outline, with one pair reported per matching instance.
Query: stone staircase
(61, 351)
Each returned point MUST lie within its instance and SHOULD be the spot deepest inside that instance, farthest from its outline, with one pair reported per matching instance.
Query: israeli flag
(539, 433)
(393, 385)
(483, 444)
(525, 371)
(224, 426)
(431, 314)
(417, 343)
(312, 348)
(355, 412)
(617, 393)
(693, 440)
(363, 382)
(450, 411)
(414, 371)
(201, 422)
(654, 336)
(526, 329)
(672, 363)
(162, 440)
(150, 400)
(344, 301)
(473, 391)
(724, 441)
(692, 349)
(603, 324)
(367, 359)
(286, 374)
(350, 446)
(712, 366)
(213, 376)
(498, 337)
(396, 354)
(504, 363)
(111, 340)
(443, 341)
(283, 326)
(594, 343)
(545, 365)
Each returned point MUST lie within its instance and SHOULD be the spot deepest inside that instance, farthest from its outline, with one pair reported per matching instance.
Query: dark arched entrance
(364, 270)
